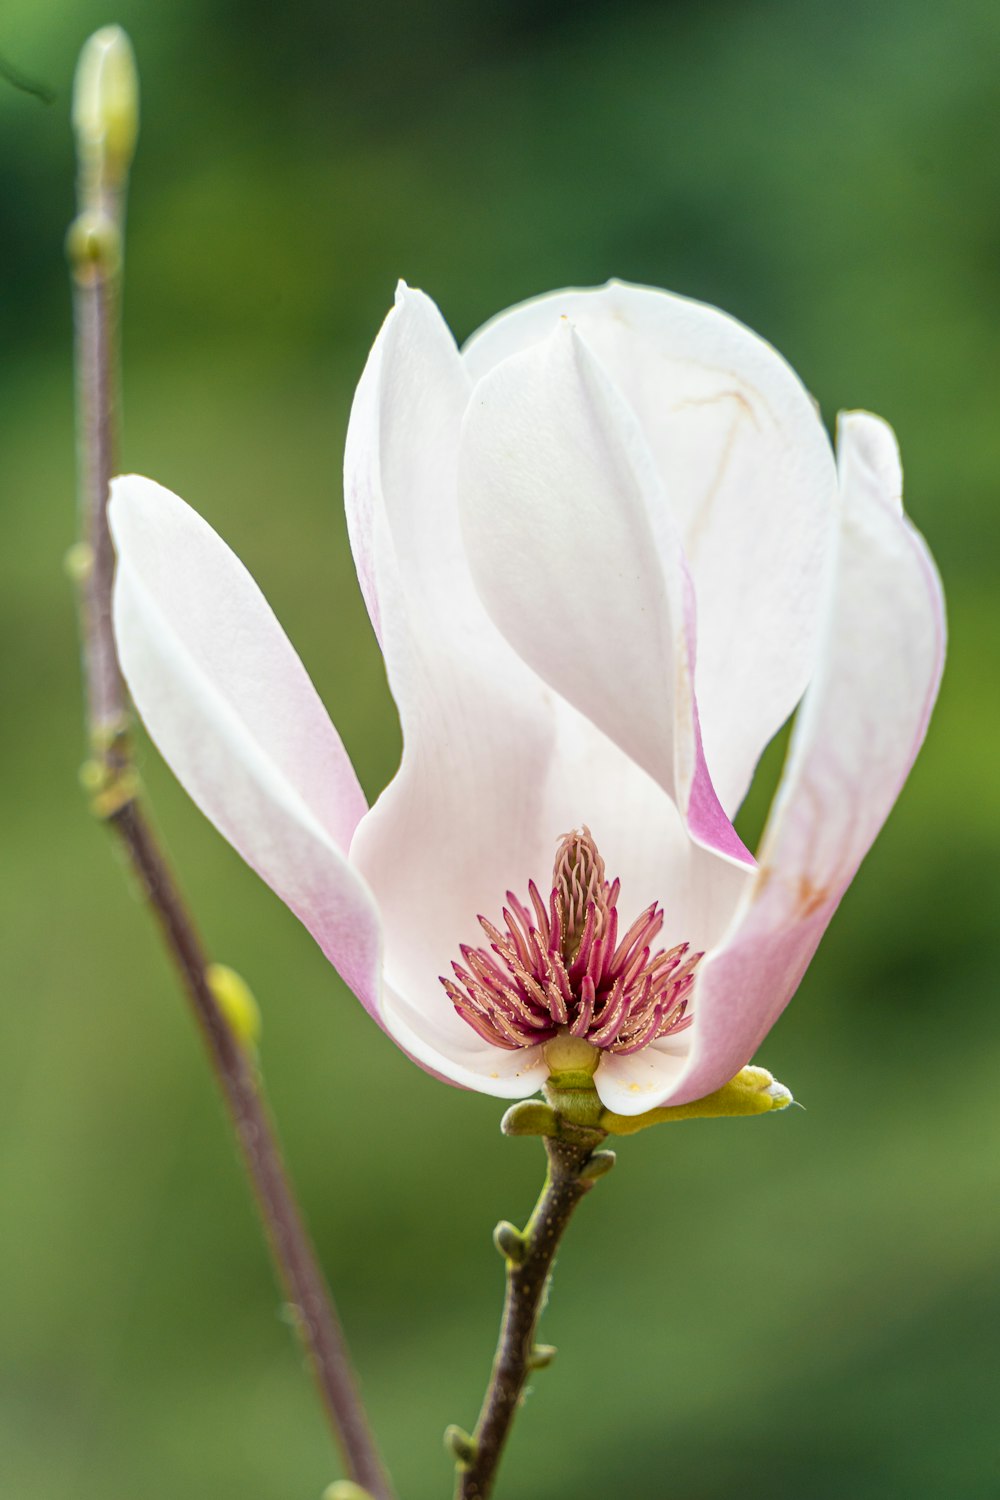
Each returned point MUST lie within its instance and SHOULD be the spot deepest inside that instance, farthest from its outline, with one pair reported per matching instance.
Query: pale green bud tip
(345, 1489)
(78, 562)
(541, 1356)
(235, 999)
(106, 101)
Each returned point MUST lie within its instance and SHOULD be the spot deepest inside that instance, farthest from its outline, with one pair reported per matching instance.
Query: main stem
(527, 1279)
(96, 296)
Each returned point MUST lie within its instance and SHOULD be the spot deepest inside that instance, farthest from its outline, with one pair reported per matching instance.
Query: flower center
(559, 967)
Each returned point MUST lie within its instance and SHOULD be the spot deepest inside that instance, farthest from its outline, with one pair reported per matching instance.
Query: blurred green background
(805, 1306)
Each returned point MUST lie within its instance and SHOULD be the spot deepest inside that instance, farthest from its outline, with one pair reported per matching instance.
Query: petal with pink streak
(572, 549)
(747, 471)
(861, 724)
(230, 706)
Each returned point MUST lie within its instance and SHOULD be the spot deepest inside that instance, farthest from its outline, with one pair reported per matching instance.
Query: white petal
(861, 724)
(572, 550)
(230, 706)
(461, 821)
(746, 469)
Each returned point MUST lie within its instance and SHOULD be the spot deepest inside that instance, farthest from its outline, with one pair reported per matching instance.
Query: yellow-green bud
(235, 999)
(345, 1489)
(106, 105)
(460, 1444)
(530, 1117)
(93, 244)
(599, 1165)
(541, 1356)
(78, 562)
(510, 1242)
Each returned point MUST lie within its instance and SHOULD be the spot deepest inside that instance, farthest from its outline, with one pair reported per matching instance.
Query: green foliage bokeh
(798, 1306)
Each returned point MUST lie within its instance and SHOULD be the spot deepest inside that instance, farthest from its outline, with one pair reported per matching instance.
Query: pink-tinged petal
(230, 706)
(572, 548)
(641, 835)
(861, 724)
(746, 468)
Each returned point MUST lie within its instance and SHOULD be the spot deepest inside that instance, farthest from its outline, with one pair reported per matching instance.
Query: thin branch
(293, 1253)
(94, 246)
(572, 1170)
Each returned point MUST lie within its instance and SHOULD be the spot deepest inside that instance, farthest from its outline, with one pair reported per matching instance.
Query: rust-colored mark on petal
(810, 897)
(744, 413)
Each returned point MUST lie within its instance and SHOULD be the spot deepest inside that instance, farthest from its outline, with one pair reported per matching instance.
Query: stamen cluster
(560, 967)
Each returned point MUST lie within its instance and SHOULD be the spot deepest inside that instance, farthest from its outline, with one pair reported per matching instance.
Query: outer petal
(746, 469)
(859, 729)
(571, 545)
(230, 706)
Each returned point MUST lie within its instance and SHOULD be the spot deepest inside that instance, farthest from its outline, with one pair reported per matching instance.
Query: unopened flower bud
(106, 106)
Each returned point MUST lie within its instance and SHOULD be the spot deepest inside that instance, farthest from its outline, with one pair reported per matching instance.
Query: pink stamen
(560, 966)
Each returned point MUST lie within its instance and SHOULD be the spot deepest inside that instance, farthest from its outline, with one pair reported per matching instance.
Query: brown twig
(529, 1254)
(95, 256)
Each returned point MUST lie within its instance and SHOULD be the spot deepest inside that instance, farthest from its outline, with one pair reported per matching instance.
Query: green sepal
(753, 1091)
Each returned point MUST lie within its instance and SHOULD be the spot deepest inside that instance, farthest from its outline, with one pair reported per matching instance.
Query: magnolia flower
(606, 549)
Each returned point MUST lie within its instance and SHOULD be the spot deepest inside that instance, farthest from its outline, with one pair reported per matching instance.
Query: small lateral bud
(235, 999)
(93, 245)
(108, 790)
(530, 1117)
(78, 562)
(541, 1356)
(599, 1165)
(460, 1444)
(345, 1489)
(106, 106)
(510, 1242)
